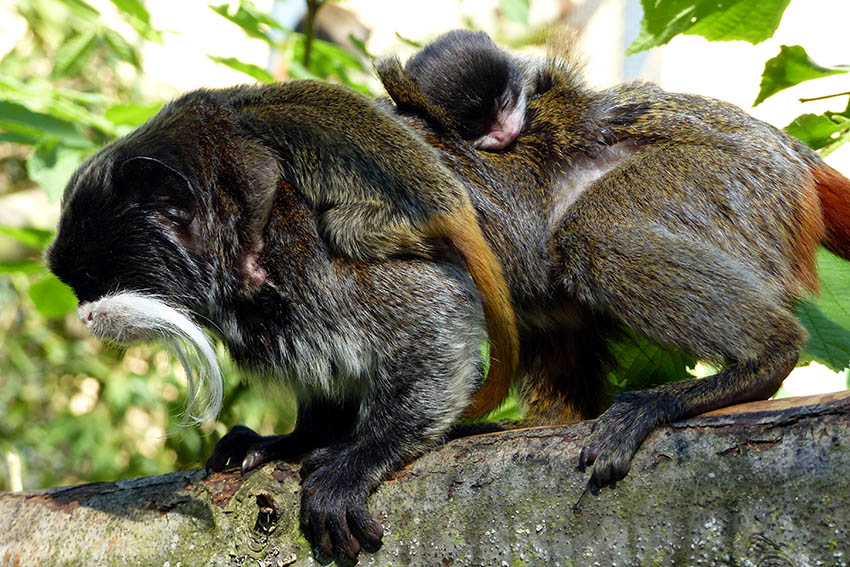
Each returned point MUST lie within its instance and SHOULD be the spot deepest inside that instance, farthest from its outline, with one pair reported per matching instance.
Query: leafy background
(74, 410)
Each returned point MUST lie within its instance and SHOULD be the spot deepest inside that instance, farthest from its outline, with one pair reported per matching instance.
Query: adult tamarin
(675, 215)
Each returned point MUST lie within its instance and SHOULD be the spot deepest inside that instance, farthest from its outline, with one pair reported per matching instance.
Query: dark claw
(367, 531)
(320, 557)
(253, 459)
(231, 449)
(334, 516)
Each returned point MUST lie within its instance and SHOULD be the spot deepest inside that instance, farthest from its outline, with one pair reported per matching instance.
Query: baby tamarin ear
(480, 89)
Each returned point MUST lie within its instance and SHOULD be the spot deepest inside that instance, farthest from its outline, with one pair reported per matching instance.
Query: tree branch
(757, 484)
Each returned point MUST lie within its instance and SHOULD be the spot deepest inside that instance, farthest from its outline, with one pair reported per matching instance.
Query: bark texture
(764, 484)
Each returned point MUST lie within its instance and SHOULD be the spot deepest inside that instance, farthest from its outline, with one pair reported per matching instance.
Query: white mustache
(130, 316)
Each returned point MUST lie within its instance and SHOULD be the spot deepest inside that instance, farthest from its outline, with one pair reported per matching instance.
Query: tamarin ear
(263, 179)
(407, 95)
(164, 190)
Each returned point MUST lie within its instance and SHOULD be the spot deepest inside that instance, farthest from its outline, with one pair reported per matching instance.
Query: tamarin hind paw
(616, 437)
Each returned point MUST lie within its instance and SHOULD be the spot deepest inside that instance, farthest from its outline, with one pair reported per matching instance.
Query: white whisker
(131, 316)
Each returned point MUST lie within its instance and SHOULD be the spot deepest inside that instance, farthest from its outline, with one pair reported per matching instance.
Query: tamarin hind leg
(562, 377)
(319, 423)
(687, 295)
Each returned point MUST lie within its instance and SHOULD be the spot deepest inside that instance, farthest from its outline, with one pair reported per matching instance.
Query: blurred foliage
(753, 21)
(75, 410)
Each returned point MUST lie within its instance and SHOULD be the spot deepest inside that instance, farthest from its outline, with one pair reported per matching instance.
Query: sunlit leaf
(52, 298)
(82, 9)
(408, 41)
(138, 17)
(132, 114)
(360, 47)
(792, 66)
(825, 132)
(20, 267)
(641, 363)
(30, 236)
(827, 317)
(53, 102)
(515, 10)
(253, 21)
(249, 69)
(747, 20)
(73, 53)
(18, 119)
(18, 138)
(51, 166)
(120, 47)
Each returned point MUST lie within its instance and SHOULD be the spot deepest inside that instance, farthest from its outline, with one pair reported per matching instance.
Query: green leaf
(121, 48)
(20, 267)
(515, 10)
(55, 102)
(51, 166)
(360, 47)
(821, 131)
(827, 318)
(792, 66)
(18, 138)
(407, 41)
(249, 69)
(132, 114)
(747, 20)
(29, 236)
(253, 22)
(73, 53)
(52, 298)
(82, 9)
(327, 61)
(18, 119)
(642, 363)
(138, 17)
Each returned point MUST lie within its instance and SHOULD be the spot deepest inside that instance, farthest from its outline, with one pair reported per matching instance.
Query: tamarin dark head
(481, 88)
(154, 231)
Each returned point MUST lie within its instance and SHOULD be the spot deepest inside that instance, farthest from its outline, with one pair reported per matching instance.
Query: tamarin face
(140, 243)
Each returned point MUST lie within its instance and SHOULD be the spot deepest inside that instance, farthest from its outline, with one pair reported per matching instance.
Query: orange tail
(463, 231)
(834, 191)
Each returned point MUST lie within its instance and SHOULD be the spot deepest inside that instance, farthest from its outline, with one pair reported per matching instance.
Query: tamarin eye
(180, 217)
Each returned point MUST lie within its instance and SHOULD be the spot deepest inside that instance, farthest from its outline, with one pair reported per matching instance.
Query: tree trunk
(762, 484)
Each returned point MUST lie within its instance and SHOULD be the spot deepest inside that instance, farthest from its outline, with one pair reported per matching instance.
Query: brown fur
(834, 191)
(463, 231)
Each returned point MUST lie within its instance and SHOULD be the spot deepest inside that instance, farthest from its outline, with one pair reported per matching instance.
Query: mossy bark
(761, 484)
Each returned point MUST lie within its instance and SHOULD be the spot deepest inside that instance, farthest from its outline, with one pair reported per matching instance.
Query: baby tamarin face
(481, 88)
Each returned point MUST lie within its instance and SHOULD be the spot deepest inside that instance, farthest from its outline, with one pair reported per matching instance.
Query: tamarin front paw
(334, 516)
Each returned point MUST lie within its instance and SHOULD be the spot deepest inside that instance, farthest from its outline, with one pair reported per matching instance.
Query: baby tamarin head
(481, 88)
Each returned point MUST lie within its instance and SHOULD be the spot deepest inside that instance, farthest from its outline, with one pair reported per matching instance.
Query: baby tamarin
(481, 89)
(678, 216)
